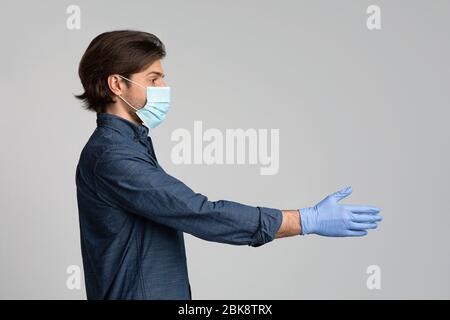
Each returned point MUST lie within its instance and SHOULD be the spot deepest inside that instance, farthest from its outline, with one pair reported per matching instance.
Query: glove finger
(341, 194)
(361, 208)
(356, 233)
(355, 217)
(362, 226)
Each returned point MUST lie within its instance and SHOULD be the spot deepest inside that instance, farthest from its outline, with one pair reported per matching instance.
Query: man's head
(131, 54)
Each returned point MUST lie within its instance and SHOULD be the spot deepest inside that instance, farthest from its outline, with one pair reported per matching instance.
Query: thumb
(341, 194)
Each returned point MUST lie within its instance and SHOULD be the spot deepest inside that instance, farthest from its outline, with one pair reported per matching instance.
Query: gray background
(354, 107)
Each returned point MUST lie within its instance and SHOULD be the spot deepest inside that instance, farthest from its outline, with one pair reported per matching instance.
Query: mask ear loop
(138, 84)
(127, 102)
(120, 96)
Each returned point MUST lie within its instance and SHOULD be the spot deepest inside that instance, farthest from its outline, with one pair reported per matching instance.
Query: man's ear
(115, 84)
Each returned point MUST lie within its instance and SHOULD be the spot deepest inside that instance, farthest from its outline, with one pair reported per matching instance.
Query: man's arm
(290, 225)
(128, 181)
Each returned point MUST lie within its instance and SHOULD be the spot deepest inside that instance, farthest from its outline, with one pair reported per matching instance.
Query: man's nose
(162, 83)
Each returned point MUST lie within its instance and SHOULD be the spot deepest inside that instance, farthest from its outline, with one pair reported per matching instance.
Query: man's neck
(123, 114)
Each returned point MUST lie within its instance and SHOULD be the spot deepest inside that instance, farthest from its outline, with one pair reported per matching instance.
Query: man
(133, 214)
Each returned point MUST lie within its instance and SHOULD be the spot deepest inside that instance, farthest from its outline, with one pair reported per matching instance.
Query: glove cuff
(307, 220)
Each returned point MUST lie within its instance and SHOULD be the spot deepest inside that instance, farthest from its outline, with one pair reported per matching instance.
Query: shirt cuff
(269, 223)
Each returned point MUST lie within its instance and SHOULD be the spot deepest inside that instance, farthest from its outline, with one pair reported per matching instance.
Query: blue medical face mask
(155, 109)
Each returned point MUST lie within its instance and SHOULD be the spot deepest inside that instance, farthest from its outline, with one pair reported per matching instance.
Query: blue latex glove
(330, 219)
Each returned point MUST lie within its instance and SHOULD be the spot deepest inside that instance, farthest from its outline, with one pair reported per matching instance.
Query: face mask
(156, 107)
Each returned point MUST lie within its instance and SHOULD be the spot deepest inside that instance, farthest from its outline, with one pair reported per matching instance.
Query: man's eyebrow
(156, 72)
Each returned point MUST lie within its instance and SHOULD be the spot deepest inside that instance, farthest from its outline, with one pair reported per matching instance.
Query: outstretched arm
(131, 182)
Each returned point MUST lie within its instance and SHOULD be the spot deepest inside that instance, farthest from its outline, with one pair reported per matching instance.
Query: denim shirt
(133, 216)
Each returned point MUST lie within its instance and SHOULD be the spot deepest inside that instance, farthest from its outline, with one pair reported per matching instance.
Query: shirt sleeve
(133, 183)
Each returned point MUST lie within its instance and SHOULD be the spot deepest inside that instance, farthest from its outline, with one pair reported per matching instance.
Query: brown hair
(121, 52)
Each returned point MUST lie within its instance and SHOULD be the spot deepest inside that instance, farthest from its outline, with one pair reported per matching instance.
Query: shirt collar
(122, 125)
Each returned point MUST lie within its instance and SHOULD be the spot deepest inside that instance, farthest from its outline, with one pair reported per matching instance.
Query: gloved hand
(328, 218)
